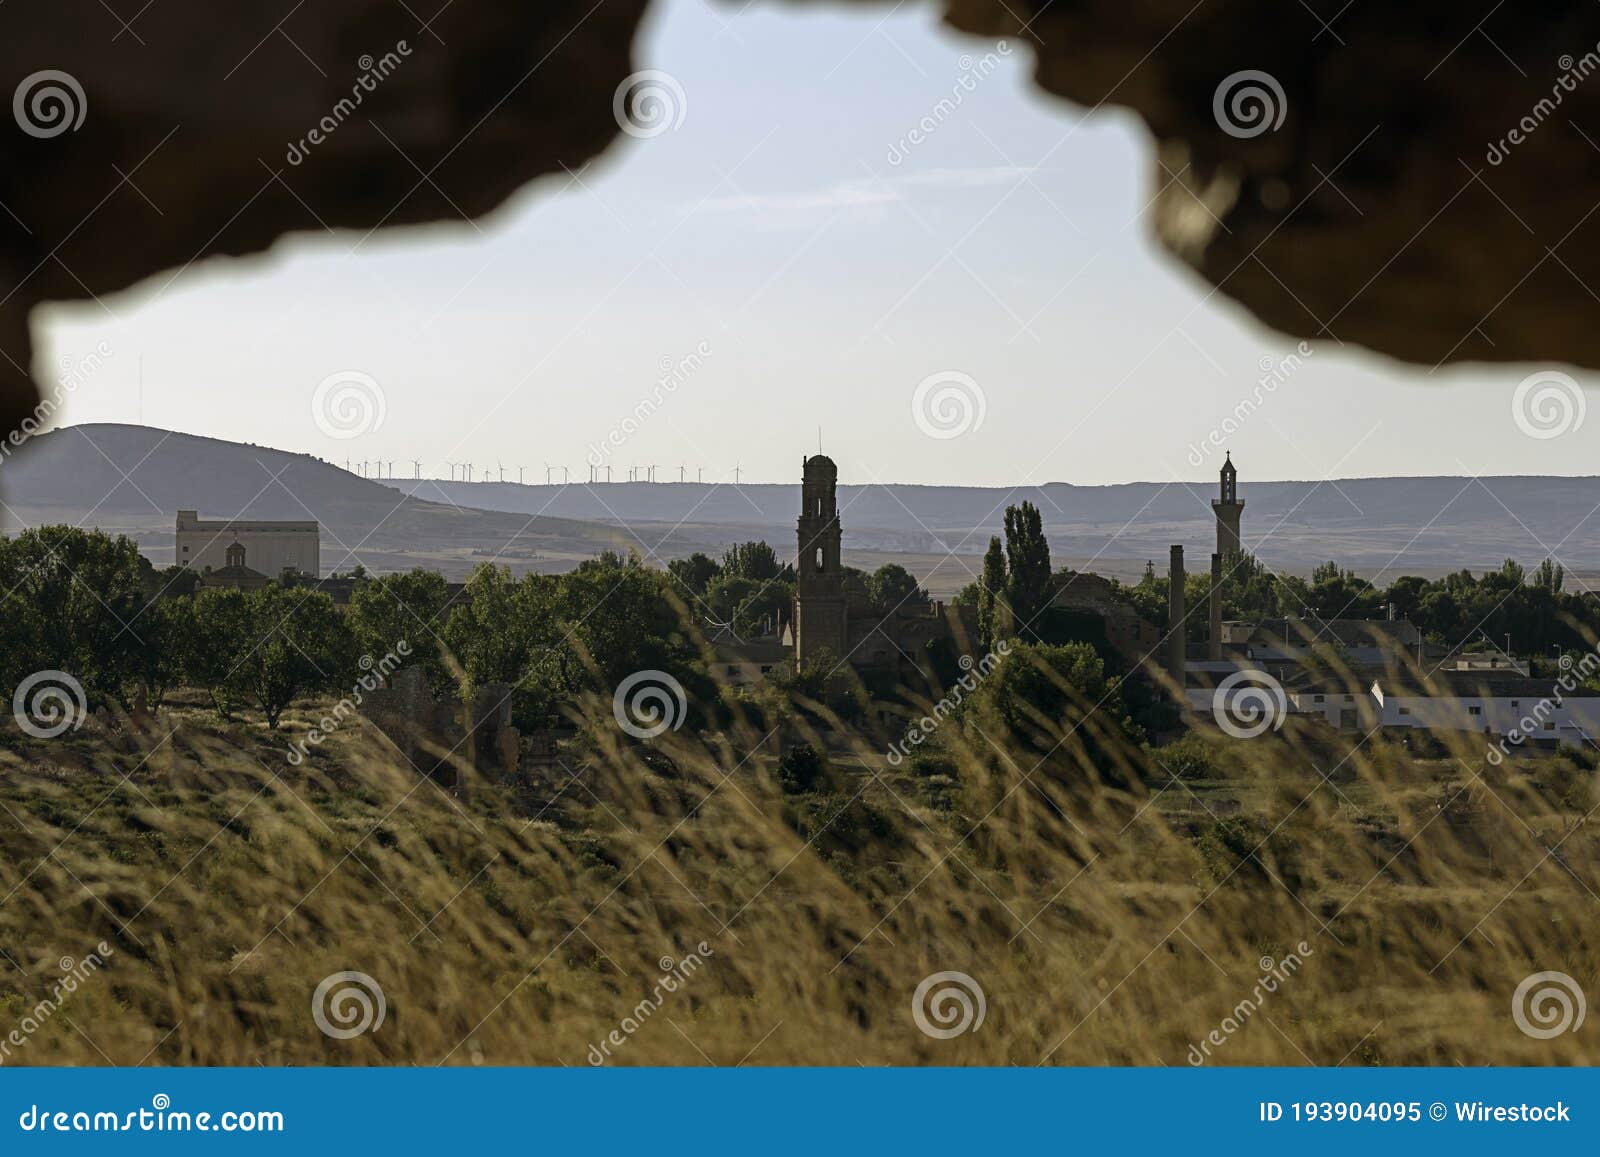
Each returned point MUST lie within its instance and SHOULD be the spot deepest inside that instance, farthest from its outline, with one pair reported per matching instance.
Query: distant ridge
(132, 479)
(1425, 524)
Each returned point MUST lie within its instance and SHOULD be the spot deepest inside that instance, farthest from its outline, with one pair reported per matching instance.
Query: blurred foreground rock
(1420, 180)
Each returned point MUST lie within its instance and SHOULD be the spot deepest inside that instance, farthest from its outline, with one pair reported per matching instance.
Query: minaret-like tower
(819, 603)
(1228, 508)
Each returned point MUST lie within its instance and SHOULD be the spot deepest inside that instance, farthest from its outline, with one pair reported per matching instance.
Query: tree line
(89, 604)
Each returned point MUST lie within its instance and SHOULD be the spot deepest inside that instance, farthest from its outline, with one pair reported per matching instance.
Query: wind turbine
(736, 474)
(519, 475)
(502, 467)
(416, 467)
(566, 476)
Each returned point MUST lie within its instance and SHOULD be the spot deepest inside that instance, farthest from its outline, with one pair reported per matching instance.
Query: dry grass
(1105, 925)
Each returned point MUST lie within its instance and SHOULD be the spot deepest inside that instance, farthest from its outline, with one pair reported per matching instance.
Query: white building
(745, 662)
(1501, 704)
(270, 547)
(1535, 709)
(1337, 704)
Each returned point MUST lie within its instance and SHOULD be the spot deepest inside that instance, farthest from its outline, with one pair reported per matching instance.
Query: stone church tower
(1228, 508)
(819, 603)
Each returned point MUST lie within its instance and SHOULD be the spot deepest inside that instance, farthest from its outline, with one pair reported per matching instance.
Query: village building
(234, 573)
(273, 547)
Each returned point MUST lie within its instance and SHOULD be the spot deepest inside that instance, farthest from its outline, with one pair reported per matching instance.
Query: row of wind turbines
(472, 472)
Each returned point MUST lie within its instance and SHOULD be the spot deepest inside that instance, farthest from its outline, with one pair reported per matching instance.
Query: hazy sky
(825, 281)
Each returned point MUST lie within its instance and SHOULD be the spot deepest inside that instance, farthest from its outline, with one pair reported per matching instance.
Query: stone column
(1176, 634)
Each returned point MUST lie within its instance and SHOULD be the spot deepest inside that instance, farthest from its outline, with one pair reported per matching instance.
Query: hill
(133, 479)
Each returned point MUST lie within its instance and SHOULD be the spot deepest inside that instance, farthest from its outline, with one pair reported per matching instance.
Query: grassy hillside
(134, 479)
(1104, 924)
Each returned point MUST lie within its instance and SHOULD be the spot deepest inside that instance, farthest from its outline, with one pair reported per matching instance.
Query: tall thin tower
(1228, 508)
(819, 602)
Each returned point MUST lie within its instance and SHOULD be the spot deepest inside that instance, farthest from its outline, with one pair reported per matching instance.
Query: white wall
(1537, 718)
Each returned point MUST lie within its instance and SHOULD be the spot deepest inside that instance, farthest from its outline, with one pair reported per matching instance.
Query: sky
(983, 305)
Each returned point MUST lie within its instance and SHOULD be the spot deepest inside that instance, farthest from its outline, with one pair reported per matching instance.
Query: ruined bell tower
(819, 603)
(1228, 509)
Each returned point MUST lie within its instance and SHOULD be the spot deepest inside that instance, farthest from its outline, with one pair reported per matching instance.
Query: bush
(800, 769)
(1191, 757)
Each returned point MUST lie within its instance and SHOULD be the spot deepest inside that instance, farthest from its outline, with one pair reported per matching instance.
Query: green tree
(71, 600)
(267, 648)
(892, 586)
(397, 608)
(1027, 565)
(213, 633)
(747, 605)
(162, 630)
(1058, 702)
(754, 560)
(694, 572)
(504, 631)
(994, 612)
(299, 644)
(1550, 576)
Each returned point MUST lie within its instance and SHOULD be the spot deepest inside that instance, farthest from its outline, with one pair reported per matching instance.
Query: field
(1114, 904)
